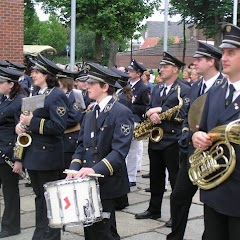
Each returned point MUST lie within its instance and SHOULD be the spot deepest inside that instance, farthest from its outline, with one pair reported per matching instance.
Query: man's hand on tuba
(201, 140)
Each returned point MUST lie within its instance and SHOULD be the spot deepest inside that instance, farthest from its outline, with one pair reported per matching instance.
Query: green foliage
(114, 19)
(206, 14)
(53, 33)
(31, 23)
(170, 41)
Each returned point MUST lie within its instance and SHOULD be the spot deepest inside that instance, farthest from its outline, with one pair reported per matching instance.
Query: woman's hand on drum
(83, 172)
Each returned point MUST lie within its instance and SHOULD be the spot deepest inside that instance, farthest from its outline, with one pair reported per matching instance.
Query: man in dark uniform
(164, 153)
(207, 62)
(221, 203)
(104, 141)
(140, 100)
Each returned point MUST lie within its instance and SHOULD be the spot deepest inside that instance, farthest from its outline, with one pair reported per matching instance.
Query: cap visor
(197, 55)
(227, 45)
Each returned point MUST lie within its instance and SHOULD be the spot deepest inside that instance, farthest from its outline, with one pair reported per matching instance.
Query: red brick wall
(151, 57)
(11, 30)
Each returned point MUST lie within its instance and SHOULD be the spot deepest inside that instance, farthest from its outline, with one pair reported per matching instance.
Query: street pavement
(129, 228)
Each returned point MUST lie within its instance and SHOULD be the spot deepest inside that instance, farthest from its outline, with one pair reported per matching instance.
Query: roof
(150, 42)
(155, 29)
(35, 49)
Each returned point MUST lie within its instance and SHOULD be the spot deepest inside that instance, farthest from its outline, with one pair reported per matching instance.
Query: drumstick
(75, 172)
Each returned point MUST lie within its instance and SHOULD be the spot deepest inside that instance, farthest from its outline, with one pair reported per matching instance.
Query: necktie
(97, 110)
(93, 123)
(164, 95)
(229, 98)
(203, 89)
(164, 92)
(4, 98)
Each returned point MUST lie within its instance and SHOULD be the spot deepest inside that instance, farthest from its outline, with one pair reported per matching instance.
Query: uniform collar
(209, 83)
(104, 102)
(42, 91)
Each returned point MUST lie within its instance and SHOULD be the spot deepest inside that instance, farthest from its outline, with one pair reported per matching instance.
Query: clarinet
(11, 164)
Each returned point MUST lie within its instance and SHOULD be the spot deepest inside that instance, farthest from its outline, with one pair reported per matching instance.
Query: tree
(53, 33)
(114, 20)
(31, 23)
(206, 14)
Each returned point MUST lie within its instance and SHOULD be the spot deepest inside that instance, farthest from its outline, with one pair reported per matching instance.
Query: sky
(155, 17)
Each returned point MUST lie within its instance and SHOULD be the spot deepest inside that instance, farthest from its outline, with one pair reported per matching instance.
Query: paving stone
(147, 236)
(27, 203)
(135, 197)
(28, 220)
(127, 225)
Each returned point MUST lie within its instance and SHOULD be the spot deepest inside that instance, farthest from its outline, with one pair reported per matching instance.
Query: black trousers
(219, 226)
(42, 230)
(106, 229)
(181, 200)
(159, 161)
(11, 214)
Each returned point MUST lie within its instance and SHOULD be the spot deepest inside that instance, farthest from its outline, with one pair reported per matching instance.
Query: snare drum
(73, 202)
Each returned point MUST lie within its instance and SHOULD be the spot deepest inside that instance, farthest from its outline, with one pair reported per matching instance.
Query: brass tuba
(210, 168)
(147, 128)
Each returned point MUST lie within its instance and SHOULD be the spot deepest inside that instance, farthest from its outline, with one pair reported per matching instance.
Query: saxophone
(147, 128)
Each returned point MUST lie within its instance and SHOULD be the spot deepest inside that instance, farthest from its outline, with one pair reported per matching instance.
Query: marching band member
(140, 100)
(104, 141)
(124, 96)
(221, 203)
(81, 84)
(164, 153)
(75, 117)
(207, 63)
(10, 110)
(44, 157)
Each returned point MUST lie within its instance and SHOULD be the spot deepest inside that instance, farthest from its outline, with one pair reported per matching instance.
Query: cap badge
(228, 28)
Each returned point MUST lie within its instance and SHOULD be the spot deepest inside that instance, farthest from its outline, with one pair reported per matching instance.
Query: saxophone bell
(156, 134)
(23, 141)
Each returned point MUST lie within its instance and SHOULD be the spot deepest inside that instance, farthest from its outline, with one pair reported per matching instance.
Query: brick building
(151, 57)
(11, 30)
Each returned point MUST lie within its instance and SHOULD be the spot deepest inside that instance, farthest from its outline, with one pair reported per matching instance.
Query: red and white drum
(73, 202)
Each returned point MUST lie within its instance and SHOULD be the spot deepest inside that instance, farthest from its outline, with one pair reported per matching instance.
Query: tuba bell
(212, 167)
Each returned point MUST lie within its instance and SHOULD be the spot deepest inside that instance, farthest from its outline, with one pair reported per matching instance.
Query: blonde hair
(147, 74)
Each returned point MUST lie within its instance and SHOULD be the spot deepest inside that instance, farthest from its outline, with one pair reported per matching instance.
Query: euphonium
(210, 168)
(147, 128)
(23, 141)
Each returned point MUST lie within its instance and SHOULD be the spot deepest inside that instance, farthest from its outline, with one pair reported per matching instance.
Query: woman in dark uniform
(75, 117)
(44, 158)
(10, 110)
